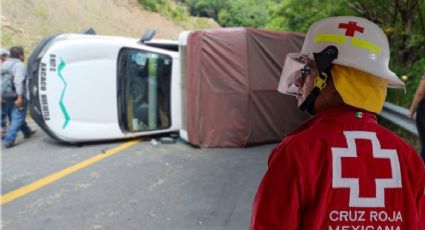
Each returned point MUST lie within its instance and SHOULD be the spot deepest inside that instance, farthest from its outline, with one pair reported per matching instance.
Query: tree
(246, 13)
(228, 13)
(298, 15)
(206, 8)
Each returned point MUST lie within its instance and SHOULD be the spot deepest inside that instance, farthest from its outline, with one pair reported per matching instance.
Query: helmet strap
(323, 62)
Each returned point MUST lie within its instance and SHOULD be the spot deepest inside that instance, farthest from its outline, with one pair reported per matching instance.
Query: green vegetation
(168, 9)
(233, 13)
(178, 12)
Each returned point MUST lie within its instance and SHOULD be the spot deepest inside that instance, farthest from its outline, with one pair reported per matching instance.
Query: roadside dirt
(26, 22)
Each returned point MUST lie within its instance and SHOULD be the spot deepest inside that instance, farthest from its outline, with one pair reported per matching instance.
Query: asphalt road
(170, 186)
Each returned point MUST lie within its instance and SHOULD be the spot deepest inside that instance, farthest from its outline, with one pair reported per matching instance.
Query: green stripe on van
(61, 66)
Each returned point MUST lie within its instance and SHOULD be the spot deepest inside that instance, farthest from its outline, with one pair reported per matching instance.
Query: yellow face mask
(359, 89)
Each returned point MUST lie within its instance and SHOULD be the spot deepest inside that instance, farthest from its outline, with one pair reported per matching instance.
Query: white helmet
(361, 45)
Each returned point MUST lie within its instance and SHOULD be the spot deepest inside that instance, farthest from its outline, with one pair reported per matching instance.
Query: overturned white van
(217, 88)
(86, 87)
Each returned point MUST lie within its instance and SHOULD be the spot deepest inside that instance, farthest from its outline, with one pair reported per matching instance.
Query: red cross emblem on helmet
(351, 28)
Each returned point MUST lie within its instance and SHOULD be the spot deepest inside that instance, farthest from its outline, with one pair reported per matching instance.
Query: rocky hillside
(25, 22)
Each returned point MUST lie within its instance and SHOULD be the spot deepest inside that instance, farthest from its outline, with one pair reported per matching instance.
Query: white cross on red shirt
(382, 180)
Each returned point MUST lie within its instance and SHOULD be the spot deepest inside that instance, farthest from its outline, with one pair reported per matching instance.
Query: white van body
(183, 43)
(76, 88)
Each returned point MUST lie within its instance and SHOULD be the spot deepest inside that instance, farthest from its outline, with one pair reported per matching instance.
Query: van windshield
(144, 90)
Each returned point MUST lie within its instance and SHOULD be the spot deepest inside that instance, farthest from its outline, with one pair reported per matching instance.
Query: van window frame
(156, 120)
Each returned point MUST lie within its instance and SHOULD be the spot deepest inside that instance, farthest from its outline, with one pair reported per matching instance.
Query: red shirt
(341, 170)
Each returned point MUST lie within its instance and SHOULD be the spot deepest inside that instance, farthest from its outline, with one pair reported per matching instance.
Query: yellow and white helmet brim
(361, 45)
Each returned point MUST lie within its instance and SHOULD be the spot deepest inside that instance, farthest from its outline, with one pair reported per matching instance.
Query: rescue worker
(340, 169)
(418, 107)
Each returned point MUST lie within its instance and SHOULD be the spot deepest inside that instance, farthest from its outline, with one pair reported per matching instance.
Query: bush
(151, 5)
(165, 8)
(178, 14)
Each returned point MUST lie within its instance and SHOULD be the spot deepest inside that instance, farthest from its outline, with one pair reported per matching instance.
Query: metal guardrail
(398, 116)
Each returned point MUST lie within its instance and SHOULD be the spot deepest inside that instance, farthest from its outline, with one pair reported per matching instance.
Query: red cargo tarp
(231, 87)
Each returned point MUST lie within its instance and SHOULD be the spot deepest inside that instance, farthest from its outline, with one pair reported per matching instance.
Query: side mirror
(149, 34)
(88, 31)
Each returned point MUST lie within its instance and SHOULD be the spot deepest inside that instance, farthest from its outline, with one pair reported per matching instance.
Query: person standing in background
(14, 95)
(418, 107)
(4, 55)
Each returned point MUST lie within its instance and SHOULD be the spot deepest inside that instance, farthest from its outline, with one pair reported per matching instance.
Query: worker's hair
(16, 51)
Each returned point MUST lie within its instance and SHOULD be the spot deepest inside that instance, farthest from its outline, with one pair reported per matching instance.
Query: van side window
(146, 90)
